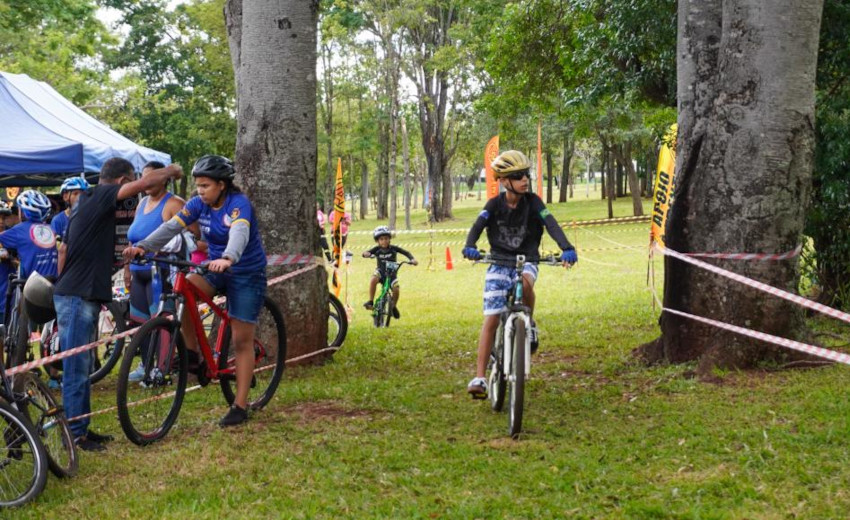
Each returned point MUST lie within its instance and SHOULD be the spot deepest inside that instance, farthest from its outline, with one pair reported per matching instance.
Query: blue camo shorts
(497, 283)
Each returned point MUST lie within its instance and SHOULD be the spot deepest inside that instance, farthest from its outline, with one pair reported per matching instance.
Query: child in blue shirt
(34, 241)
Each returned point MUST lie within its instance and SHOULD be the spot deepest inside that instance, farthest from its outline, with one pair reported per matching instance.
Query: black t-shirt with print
(90, 240)
(516, 231)
(389, 254)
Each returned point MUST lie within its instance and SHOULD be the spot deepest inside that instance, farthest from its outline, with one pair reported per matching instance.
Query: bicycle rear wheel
(517, 379)
(23, 461)
(112, 320)
(48, 419)
(337, 322)
(147, 409)
(269, 358)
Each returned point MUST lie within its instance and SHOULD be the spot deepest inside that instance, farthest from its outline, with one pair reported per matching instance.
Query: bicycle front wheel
(51, 426)
(497, 382)
(337, 322)
(517, 379)
(112, 320)
(23, 462)
(147, 409)
(269, 358)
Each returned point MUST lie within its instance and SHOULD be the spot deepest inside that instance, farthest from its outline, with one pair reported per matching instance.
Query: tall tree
(273, 48)
(746, 83)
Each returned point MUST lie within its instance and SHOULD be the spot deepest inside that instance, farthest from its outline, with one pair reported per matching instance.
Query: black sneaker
(368, 305)
(86, 444)
(396, 314)
(233, 417)
(100, 438)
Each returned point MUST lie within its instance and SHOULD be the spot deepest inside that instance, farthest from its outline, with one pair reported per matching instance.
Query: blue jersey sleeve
(13, 238)
(190, 212)
(240, 211)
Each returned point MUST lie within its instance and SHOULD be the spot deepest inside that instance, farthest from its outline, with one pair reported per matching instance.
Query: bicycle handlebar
(511, 261)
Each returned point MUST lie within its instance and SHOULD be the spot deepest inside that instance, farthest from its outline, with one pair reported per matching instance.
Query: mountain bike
(337, 321)
(148, 409)
(510, 358)
(382, 307)
(23, 459)
(112, 320)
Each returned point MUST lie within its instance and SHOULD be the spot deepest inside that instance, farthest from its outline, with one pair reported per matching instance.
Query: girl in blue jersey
(229, 227)
(32, 238)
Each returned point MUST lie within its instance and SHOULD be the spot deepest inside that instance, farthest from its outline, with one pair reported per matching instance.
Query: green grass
(386, 430)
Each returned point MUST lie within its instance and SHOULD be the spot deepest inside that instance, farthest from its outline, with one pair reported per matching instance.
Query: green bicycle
(383, 306)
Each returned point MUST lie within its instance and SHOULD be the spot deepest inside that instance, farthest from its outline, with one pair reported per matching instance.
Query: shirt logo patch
(234, 214)
(42, 236)
(184, 212)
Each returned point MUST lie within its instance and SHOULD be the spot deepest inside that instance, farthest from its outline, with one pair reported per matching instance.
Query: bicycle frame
(188, 296)
(517, 310)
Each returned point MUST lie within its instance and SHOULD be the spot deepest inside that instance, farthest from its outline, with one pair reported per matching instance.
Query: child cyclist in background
(385, 252)
(514, 222)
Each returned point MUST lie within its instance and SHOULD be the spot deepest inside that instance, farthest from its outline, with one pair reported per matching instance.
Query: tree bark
(566, 177)
(275, 66)
(746, 83)
(624, 156)
(548, 177)
(364, 189)
(405, 158)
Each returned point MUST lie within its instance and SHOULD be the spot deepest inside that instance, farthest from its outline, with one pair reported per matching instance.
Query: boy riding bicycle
(514, 221)
(385, 252)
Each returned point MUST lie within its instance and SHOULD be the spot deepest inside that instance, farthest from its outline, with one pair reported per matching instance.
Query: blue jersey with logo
(59, 225)
(215, 228)
(36, 246)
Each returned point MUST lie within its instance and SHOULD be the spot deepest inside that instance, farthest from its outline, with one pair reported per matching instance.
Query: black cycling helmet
(215, 167)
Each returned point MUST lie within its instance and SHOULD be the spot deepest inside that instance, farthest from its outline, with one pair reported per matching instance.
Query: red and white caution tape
(832, 355)
(292, 274)
(804, 302)
(26, 367)
(289, 259)
(751, 256)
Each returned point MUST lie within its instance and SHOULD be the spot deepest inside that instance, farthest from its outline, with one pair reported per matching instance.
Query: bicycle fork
(507, 350)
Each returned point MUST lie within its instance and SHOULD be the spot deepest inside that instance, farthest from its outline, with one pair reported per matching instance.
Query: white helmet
(381, 231)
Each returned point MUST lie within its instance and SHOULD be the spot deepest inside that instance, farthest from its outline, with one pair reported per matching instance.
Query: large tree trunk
(328, 114)
(277, 107)
(746, 79)
(364, 189)
(548, 177)
(611, 183)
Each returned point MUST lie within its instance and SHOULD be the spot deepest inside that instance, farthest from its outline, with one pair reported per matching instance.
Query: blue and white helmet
(34, 205)
(73, 184)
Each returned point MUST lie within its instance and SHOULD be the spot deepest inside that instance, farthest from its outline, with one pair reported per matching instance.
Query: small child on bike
(385, 252)
(514, 221)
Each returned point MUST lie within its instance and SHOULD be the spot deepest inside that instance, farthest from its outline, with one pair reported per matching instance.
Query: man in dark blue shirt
(85, 282)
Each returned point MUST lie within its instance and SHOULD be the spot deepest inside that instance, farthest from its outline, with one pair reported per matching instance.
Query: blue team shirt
(59, 225)
(36, 246)
(215, 228)
(6, 268)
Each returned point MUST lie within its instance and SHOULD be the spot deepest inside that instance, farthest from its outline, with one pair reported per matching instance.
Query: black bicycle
(337, 321)
(23, 458)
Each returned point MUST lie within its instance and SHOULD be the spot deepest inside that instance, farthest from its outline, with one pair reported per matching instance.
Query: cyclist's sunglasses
(515, 176)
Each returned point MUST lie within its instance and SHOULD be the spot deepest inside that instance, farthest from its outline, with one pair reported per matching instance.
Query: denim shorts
(497, 283)
(245, 293)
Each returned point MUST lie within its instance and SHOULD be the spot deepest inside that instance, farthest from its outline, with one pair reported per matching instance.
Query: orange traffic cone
(448, 260)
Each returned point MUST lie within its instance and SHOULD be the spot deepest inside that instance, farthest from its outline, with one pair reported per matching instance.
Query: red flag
(491, 151)
(539, 161)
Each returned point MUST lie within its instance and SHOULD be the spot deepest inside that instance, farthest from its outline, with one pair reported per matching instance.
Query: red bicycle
(148, 409)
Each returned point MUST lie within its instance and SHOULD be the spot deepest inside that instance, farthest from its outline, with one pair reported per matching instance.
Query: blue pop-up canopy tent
(44, 137)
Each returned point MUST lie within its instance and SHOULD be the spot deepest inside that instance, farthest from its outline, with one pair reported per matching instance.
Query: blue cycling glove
(569, 256)
(471, 253)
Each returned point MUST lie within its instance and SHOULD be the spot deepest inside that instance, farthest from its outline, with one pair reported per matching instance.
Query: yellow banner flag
(336, 229)
(664, 182)
(491, 151)
(539, 159)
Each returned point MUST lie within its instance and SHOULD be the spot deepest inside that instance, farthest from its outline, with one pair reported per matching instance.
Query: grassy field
(386, 430)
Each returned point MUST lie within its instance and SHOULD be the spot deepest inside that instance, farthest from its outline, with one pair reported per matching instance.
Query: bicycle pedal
(479, 397)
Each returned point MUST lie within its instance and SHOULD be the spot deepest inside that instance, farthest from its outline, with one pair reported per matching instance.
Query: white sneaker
(477, 387)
